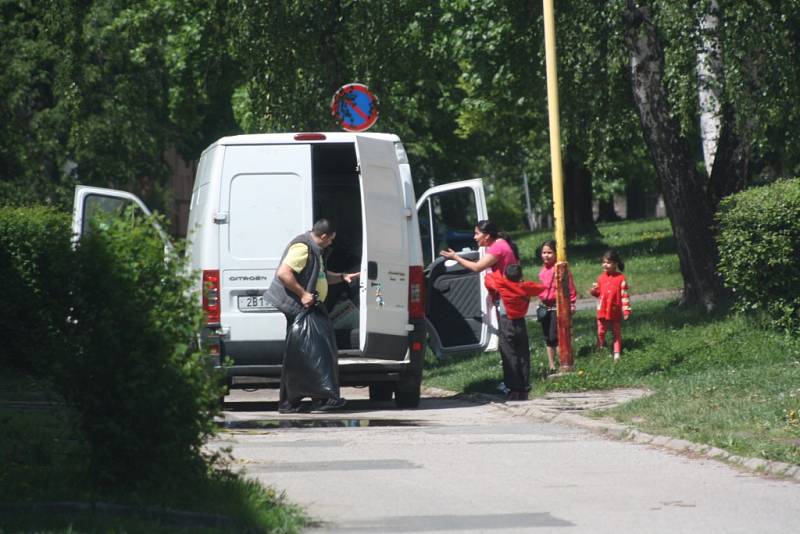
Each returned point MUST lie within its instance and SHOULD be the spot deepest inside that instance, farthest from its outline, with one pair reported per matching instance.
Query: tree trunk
(578, 200)
(688, 206)
(732, 161)
(709, 82)
(606, 211)
(636, 201)
(728, 172)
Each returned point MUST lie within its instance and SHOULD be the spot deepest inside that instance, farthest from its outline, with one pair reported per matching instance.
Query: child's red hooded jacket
(515, 295)
(612, 290)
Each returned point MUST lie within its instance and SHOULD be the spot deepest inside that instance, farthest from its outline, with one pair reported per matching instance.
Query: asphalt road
(457, 466)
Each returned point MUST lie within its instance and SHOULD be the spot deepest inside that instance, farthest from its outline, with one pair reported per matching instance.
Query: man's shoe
(288, 407)
(517, 395)
(328, 404)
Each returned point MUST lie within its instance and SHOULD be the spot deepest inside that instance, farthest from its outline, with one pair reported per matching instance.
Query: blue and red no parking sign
(354, 107)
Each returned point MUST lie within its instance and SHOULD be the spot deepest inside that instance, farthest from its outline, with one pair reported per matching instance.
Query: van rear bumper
(352, 371)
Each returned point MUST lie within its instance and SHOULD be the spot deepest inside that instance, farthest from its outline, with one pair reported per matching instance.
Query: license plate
(253, 303)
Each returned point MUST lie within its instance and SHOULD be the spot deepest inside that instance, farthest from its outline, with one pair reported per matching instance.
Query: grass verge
(647, 247)
(716, 379)
(43, 457)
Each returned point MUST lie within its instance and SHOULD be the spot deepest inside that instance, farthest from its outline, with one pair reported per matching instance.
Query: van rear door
(384, 260)
(265, 200)
(458, 307)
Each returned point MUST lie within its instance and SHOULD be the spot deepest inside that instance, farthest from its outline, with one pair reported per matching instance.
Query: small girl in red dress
(614, 304)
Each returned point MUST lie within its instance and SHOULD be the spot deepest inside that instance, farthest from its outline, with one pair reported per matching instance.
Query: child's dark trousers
(516, 353)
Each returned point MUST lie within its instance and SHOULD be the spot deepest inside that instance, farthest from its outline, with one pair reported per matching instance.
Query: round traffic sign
(354, 107)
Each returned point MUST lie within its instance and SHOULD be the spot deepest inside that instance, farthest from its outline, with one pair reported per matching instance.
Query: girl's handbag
(541, 309)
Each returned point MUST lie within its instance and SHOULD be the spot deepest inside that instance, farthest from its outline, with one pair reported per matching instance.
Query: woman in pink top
(548, 298)
(500, 253)
(500, 250)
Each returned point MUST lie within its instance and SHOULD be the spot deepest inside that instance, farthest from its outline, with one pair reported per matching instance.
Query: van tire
(381, 391)
(407, 394)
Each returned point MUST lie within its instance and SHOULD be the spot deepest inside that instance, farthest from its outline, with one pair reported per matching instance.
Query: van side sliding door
(383, 283)
(458, 308)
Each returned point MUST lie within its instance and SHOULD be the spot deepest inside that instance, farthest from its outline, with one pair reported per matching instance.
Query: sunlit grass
(647, 247)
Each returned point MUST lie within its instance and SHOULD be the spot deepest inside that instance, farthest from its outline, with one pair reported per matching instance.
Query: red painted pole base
(564, 318)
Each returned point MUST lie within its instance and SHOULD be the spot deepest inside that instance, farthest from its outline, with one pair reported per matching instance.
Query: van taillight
(309, 137)
(416, 292)
(211, 295)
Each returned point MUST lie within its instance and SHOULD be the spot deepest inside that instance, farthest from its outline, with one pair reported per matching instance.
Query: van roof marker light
(309, 137)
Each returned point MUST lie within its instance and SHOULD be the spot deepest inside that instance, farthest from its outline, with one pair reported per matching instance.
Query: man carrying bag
(310, 365)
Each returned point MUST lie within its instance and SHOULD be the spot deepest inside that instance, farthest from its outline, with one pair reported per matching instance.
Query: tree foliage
(663, 39)
(97, 92)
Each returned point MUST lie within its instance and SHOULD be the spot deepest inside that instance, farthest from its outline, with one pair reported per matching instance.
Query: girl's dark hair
(547, 243)
(489, 228)
(613, 256)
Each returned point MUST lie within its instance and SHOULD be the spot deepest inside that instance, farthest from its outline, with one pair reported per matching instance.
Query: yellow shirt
(297, 257)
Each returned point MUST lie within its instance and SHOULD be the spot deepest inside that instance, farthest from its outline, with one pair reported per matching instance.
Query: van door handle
(372, 270)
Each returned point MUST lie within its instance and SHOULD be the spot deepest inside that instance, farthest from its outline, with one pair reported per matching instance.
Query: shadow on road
(359, 405)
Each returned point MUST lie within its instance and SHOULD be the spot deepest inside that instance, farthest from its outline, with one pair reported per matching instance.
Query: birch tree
(742, 87)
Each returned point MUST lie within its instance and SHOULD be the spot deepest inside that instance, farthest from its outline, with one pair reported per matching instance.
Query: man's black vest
(282, 298)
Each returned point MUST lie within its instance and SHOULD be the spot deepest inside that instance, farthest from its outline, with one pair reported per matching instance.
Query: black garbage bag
(310, 364)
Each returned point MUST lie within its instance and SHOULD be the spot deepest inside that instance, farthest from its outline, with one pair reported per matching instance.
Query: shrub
(145, 395)
(759, 246)
(35, 266)
(111, 323)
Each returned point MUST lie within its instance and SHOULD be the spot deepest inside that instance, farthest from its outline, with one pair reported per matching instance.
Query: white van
(254, 193)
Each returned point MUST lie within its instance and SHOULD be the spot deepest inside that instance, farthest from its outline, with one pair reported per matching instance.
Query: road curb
(628, 433)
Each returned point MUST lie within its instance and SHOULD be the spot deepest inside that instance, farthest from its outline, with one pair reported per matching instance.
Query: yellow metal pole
(564, 314)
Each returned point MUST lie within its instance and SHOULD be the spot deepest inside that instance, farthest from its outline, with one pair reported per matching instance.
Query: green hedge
(146, 397)
(111, 322)
(35, 266)
(759, 246)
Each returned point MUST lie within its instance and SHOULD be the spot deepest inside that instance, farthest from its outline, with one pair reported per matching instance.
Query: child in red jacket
(515, 295)
(614, 304)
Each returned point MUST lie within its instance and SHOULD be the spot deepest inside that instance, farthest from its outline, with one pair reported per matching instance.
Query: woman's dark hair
(613, 256)
(489, 228)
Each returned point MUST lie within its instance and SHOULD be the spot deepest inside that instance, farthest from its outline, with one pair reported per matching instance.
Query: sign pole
(563, 313)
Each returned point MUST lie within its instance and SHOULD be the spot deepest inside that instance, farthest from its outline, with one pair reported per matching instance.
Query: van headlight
(400, 151)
